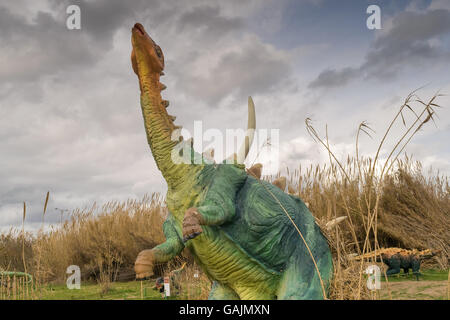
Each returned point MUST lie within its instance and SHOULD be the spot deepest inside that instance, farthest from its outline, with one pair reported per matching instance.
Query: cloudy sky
(70, 120)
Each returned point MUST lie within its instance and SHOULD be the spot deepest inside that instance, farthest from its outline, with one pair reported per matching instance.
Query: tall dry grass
(387, 203)
(102, 241)
(13, 246)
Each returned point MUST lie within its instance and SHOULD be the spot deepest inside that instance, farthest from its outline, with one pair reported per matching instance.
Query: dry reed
(390, 203)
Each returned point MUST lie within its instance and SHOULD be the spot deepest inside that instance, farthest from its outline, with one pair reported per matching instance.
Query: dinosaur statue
(397, 258)
(251, 239)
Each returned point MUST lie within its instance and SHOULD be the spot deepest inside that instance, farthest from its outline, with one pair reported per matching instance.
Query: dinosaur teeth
(165, 103)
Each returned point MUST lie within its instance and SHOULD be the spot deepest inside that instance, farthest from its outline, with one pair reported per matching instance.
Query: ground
(416, 290)
(92, 291)
(433, 285)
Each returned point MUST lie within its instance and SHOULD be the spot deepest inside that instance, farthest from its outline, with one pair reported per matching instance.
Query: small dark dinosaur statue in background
(397, 258)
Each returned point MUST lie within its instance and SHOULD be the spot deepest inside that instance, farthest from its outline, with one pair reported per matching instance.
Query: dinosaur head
(428, 253)
(146, 57)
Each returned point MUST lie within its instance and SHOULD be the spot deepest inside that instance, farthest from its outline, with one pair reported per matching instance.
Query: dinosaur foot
(144, 264)
(191, 224)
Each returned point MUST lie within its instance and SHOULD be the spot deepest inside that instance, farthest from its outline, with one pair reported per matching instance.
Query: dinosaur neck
(159, 127)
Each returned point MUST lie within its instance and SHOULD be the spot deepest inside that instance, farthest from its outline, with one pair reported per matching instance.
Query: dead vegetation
(387, 203)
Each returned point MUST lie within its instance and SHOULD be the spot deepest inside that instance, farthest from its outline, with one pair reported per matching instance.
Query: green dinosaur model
(253, 240)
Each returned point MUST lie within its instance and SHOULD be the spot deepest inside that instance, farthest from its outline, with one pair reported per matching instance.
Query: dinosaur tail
(372, 254)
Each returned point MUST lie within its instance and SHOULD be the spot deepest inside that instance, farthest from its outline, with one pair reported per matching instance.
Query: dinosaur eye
(158, 52)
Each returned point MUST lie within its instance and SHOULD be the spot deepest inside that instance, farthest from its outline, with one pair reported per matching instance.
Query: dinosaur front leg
(207, 215)
(161, 253)
(219, 204)
(394, 266)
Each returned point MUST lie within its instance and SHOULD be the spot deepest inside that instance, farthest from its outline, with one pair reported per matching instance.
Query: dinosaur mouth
(139, 29)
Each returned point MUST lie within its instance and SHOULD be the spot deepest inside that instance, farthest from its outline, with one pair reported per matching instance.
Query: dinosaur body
(239, 229)
(397, 259)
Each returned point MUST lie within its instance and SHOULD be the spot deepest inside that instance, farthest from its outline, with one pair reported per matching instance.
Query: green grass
(132, 290)
(427, 274)
(93, 291)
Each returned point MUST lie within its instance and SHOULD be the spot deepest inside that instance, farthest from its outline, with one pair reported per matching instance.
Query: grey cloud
(210, 19)
(44, 46)
(33, 50)
(334, 78)
(69, 101)
(408, 43)
(250, 68)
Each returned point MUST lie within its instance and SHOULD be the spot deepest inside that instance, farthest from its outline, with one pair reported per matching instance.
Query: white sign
(167, 286)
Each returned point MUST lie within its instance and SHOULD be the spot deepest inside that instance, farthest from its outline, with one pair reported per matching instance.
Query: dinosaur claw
(191, 224)
(191, 236)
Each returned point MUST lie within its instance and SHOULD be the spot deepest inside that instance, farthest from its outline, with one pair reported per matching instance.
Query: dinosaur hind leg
(415, 264)
(394, 267)
(222, 292)
(300, 280)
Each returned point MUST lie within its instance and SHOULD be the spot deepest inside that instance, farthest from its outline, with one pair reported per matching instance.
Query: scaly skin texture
(239, 235)
(397, 258)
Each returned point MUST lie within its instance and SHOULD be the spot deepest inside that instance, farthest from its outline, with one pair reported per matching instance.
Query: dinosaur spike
(162, 86)
(162, 73)
(165, 103)
(249, 135)
(334, 222)
(172, 117)
(280, 183)
(255, 170)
